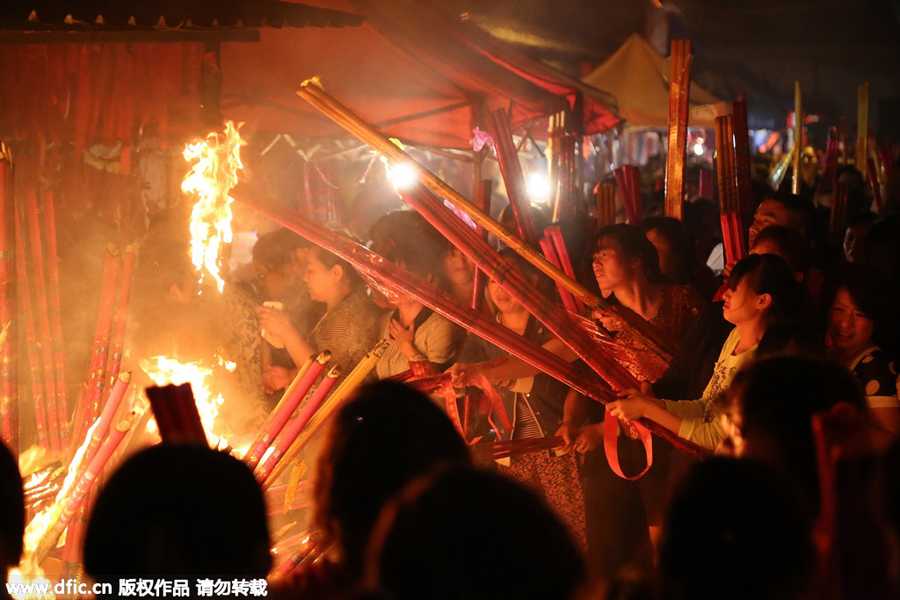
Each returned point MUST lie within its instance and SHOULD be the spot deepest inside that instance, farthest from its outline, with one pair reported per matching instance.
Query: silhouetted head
(178, 511)
(735, 528)
(12, 509)
(387, 436)
(470, 535)
(674, 246)
(776, 399)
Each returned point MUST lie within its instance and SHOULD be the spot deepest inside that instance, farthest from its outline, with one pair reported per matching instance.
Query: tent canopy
(638, 76)
(409, 69)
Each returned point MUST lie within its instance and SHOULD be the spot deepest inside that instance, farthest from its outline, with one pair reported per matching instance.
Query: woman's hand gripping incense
(463, 374)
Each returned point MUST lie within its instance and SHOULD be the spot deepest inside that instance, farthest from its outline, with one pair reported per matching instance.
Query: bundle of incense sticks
(550, 252)
(562, 165)
(742, 157)
(862, 129)
(48, 437)
(483, 202)
(290, 400)
(294, 428)
(837, 222)
(606, 206)
(369, 263)
(57, 411)
(9, 370)
(313, 93)
(268, 472)
(679, 96)
(729, 202)
(832, 147)
(511, 169)
(628, 178)
(497, 450)
(69, 505)
(798, 138)
(176, 414)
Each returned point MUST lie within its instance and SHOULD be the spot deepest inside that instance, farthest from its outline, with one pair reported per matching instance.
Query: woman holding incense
(761, 291)
(528, 408)
(858, 310)
(279, 259)
(417, 336)
(348, 329)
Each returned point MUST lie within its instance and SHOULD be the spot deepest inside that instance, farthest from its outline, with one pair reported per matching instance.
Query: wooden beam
(147, 36)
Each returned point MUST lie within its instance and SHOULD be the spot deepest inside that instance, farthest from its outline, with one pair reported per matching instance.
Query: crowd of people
(783, 379)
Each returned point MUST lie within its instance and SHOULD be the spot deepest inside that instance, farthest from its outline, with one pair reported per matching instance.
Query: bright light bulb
(698, 149)
(403, 176)
(538, 187)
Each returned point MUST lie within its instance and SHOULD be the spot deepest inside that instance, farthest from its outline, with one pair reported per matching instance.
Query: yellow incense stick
(798, 137)
(354, 378)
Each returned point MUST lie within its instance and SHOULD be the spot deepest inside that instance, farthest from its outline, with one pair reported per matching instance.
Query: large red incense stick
(296, 426)
(729, 201)
(81, 488)
(59, 353)
(34, 361)
(375, 266)
(559, 244)
(511, 169)
(56, 426)
(679, 94)
(742, 157)
(100, 350)
(9, 372)
(565, 295)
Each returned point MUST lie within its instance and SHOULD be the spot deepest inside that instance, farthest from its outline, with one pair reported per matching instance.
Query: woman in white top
(762, 291)
(858, 305)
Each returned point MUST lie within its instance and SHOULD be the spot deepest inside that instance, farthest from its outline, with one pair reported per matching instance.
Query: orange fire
(163, 370)
(216, 162)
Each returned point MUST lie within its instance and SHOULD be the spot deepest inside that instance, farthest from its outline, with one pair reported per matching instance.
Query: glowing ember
(217, 160)
(164, 371)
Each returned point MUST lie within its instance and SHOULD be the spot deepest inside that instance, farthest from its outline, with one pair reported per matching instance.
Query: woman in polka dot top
(858, 307)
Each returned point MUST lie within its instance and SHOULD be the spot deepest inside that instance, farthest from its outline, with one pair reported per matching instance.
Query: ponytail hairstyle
(770, 274)
(634, 244)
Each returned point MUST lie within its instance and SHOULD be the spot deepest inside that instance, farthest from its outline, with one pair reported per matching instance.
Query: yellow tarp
(638, 76)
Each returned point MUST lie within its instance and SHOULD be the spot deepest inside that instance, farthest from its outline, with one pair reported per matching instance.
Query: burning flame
(163, 370)
(217, 160)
